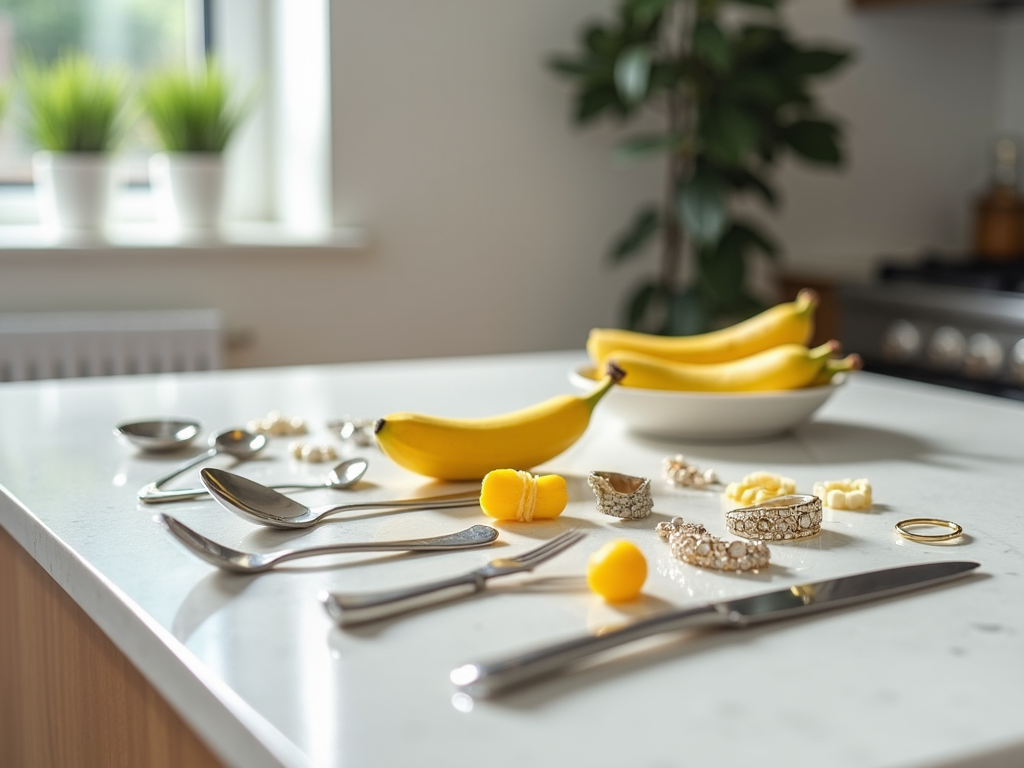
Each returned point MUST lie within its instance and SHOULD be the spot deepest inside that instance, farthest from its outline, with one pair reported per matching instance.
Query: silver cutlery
(265, 506)
(234, 442)
(490, 678)
(348, 610)
(158, 435)
(250, 562)
(344, 475)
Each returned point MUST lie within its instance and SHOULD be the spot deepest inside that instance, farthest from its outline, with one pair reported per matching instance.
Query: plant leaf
(816, 61)
(702, 206)
(687, 314)
(650, 144)
(815, 140)
(742, 180)
(646, 11)
(638, 235)
(711, 46)
(591, 102)
(639, 307)
(633, 73)
(748, 235)
(728, 133)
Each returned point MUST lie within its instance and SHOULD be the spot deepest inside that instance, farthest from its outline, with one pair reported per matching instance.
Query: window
(137, 35)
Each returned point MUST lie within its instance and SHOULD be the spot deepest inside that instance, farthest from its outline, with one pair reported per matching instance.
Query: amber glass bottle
(999, 213)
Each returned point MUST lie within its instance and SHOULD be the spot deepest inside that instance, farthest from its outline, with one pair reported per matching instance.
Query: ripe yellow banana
(789, 323)
(832, 367)
(786, 366)
(467, 449)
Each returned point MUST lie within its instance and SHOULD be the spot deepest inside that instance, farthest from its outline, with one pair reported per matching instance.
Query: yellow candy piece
(617, 571)
(844, 494)
(509, 494)
(758, 487)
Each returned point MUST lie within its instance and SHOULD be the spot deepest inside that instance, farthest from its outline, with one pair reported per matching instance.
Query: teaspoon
(158, 435)
(234, 442)
(345, 475)
(265, 506)
(251, 562)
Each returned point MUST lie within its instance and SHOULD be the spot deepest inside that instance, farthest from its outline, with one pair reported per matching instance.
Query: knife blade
(489, 678)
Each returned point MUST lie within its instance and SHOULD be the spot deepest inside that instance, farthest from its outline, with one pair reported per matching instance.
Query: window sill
(17, 239)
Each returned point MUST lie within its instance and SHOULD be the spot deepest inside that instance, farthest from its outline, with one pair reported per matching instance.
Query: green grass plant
(192, 111)
(73, 105)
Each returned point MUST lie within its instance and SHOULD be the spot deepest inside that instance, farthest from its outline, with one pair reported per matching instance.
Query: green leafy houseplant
(732, 88)
(73, 105)
(192, 111)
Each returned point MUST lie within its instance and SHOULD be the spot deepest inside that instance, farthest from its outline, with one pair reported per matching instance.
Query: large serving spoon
(251, 562)
(158, 435)
(265, 506)
(234, 442)
(345, 475)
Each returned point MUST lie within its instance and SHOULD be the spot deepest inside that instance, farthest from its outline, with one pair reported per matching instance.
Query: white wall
(489, 215)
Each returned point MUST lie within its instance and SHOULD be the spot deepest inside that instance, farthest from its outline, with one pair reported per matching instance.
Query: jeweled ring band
(778, 519)
(954, 529)
(622, 496)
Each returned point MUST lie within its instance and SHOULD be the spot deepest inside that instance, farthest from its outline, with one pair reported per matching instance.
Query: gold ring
(954, 529)
(784, 517)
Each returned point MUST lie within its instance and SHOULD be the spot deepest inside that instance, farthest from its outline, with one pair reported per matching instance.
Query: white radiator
(53, 345)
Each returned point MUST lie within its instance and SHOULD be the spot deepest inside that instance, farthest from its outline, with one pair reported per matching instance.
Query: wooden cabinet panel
(68, 697)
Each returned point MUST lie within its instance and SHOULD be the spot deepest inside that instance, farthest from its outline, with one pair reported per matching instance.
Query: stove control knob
(1017, 361)
(984, 358)
(901, 342)
(946, 348)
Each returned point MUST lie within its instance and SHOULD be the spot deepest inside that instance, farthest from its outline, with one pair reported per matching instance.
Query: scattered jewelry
(312, 453)
(678, 471)
(351, 429)
(784, 517)
(277, 425)
(622, 496)
(954, 529)
(844, 494)
(692, 544)
(759, 487)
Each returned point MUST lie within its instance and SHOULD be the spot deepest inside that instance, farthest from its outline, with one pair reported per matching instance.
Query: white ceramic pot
(73, 190)
(188, 188)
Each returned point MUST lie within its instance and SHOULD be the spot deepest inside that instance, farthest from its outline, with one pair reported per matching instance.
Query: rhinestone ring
(692, 544)
(781, 518)
(622, 496)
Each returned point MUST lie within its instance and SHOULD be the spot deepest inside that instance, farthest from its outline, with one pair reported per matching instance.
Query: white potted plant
(195, 117)
(75, 117)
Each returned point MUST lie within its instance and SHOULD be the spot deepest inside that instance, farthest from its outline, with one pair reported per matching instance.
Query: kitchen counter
(255, 668)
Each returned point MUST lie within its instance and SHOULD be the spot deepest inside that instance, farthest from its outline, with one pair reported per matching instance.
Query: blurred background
(411, 183)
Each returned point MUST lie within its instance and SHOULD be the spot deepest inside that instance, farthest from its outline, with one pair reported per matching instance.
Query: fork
(348, 610)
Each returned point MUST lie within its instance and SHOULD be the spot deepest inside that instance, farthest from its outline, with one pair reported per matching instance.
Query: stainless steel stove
(954, 323)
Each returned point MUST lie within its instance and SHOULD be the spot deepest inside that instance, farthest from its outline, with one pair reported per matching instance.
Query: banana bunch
(789, 323)
(467, 449)
(766, 353)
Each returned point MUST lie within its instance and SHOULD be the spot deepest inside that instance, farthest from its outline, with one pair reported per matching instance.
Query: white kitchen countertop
(253, 663)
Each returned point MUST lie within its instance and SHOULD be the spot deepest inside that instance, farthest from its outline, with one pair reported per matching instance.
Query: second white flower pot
(73, 190)
(188, 189)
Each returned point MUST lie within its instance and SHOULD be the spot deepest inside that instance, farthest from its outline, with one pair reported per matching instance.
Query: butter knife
(493, 677)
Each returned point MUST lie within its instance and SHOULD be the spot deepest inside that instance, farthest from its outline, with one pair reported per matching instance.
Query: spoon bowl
(158, 435)
(265, 506)
(251, 562)
(345, 475)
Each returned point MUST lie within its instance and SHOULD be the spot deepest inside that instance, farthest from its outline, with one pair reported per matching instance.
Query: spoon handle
(475, 536)
(466, 499)
(151, 493)
(184, 467)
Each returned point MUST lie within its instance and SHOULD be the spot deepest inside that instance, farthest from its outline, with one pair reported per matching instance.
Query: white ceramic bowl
(723, 416)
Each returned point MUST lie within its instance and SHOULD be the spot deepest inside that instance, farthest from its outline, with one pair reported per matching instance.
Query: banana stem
(614, 374)
(806, 301)
(826, 350)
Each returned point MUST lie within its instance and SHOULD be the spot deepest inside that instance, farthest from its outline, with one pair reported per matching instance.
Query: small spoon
(250, 562)
(158, 435)
(234, 442)
(345, 475)
(265, 506)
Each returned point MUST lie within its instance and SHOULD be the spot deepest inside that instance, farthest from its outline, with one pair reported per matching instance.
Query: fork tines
(550, 548)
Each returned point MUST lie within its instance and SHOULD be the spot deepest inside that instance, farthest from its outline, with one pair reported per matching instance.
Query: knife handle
(489, 678)
(348, 610)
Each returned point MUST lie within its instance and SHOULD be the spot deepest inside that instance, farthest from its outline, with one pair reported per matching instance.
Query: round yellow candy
(617, 571)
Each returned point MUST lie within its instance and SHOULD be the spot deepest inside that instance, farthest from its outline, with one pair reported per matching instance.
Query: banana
(847, 364)
(789, 323)
(467, 449)
(786, 366)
